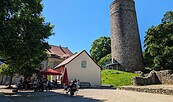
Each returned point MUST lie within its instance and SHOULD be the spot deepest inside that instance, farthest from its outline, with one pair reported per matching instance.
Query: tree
(105, 60)
(168, 17)
(159, 44)
(23, 34)
(100, 48)
(5, 70)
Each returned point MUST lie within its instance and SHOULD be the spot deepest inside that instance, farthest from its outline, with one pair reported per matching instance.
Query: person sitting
(67, 87)
(41, 86)
(56, 83)
(48, 86)
(72, 87)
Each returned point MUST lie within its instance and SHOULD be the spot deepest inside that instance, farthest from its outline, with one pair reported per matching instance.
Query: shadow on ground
(44, 97)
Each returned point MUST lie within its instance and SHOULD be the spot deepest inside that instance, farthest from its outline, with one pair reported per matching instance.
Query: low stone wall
(154, 77)
(167, 91)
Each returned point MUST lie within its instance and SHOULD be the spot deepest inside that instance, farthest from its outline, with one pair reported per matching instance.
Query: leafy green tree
(6, 70)
(3, 68)
(100, 48)
(159, 44)
(23, 34)
(105, 60)
(168, 17)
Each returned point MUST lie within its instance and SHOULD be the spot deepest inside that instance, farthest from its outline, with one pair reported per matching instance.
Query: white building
(81, 66)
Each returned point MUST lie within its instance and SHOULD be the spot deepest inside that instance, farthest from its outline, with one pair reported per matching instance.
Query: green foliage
(117, 78)
(100, 48)
(5, 69)
(168, 17)
(159, 44)
(23, 34)
(105, 60)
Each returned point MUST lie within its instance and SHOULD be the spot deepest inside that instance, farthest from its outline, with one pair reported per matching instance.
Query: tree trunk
(11, 77)
(2, 78)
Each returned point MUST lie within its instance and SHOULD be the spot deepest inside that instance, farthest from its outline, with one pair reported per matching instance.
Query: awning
(50, 71)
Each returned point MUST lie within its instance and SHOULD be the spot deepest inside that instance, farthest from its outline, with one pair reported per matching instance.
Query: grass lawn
(117, 78)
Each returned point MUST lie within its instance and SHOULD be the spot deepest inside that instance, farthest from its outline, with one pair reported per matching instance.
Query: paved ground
(84, 95)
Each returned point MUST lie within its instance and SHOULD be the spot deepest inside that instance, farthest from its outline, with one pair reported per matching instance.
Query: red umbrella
(50, 71)
(65, 77)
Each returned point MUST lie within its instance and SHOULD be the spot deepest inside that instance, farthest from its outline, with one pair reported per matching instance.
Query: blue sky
(79, 22)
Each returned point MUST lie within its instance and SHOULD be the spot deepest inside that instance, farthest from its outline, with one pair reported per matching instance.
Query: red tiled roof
(63, 52)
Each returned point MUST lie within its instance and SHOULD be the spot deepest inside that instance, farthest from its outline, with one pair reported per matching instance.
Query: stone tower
(125, 40)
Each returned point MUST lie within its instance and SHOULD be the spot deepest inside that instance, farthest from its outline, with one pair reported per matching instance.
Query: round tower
(125, 40)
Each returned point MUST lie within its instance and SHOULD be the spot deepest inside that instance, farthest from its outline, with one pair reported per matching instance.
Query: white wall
(92, 72)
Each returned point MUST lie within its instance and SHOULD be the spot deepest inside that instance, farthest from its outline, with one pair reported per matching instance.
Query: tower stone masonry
(125, 40)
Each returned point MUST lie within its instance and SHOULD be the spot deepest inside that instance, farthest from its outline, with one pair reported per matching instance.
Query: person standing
(78, 84)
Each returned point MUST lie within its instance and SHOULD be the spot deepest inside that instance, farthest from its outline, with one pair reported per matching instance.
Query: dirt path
(84, 95)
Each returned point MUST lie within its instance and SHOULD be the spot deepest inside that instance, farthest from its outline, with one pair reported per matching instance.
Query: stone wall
(154, 77)
(168, 90)
(125, 40)
(165, 76)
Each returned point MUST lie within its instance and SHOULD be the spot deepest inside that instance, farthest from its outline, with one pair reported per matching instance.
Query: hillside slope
(117, 78)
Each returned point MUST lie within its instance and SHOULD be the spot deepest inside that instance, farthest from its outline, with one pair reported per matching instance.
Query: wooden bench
(85, 84)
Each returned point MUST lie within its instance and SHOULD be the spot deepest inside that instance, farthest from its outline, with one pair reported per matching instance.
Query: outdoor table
(32, 85)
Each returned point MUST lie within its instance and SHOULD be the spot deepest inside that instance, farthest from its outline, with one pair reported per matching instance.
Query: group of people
(23, 84)
(37, 84)
(46, 84)
(72, 86)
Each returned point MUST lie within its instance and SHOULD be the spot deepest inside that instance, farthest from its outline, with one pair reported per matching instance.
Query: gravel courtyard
(84, 95)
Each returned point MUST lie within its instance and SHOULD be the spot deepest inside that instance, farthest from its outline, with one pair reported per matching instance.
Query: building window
(83, 64)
